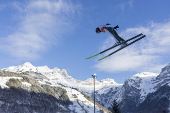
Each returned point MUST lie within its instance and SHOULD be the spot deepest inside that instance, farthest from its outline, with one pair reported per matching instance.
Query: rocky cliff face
(142, 93)
(156, 102)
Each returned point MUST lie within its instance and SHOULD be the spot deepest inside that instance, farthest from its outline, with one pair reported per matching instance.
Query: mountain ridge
(135, 91)
(46, 70)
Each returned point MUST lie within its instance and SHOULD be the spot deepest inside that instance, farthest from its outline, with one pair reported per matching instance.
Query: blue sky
(61, 33)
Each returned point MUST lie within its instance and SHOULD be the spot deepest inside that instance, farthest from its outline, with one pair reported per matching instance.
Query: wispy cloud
(130, 3)
(127, 4)
(145, 55)
(41, 23)
(121, 6)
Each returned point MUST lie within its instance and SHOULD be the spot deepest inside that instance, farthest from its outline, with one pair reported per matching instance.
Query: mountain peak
(44, 70)
(28, 67)
(27, 64)
(145, 74)
(108, 81)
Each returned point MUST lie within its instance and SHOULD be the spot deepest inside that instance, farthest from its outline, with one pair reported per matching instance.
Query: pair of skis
(124, 44)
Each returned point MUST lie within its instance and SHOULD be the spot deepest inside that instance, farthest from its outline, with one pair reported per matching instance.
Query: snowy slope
(4, 80)
(144, 82)
(164, 77)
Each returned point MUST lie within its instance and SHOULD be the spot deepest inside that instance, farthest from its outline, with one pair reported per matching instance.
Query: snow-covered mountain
(138, 94)
(142, 93)
(57, 76)
(76, 91)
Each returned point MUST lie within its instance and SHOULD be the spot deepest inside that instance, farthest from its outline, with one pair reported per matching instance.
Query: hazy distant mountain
(28, 88)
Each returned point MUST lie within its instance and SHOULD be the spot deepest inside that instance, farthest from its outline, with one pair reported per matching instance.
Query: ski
(117, 44)
(121, 48)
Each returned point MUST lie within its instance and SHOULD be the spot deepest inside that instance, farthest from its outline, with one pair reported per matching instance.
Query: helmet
(98, 30)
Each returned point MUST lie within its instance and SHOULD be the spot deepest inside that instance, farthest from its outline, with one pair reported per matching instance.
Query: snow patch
(26, 84)
(146, 75)
(80, 103)
(6, 79)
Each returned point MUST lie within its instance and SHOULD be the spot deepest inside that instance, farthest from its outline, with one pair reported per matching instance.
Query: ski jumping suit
(114, 33)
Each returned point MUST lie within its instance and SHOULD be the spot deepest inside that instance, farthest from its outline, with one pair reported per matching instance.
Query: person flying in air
(119, 41)
(112, 31)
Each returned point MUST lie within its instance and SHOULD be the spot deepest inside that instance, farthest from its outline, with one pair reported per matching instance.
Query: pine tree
(115, 107)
